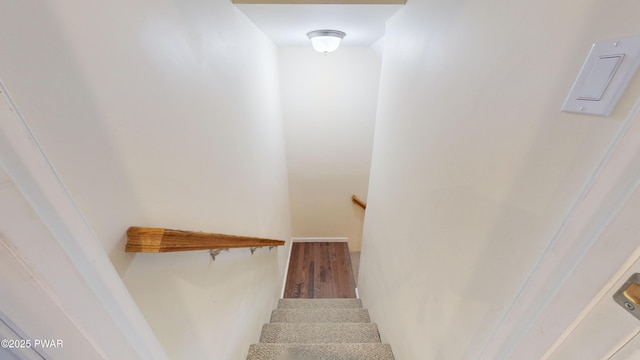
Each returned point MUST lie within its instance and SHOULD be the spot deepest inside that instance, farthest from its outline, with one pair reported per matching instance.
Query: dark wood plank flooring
(320, 270)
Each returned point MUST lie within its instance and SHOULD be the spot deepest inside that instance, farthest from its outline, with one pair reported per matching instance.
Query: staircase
(320, 329)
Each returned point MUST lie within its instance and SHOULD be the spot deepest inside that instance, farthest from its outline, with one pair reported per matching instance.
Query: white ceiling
(288, 24)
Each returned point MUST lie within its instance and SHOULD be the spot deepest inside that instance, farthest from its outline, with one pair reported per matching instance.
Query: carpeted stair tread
(351, 351)
(320, 333)
(320, 329)
(319, 304)
(320, 316)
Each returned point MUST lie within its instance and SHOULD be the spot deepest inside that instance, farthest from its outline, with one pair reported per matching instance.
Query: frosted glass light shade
(326, 41)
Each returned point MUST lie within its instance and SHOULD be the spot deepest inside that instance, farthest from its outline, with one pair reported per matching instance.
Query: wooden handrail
(154, 240)
(359, 202)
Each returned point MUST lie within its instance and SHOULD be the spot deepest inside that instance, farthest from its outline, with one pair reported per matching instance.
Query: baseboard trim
(286, 270)
(320, 239)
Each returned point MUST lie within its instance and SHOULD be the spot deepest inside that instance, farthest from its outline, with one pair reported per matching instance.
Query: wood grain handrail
(154, 240)
(359, 202)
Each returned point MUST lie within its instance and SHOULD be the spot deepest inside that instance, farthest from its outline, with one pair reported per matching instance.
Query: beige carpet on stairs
(320, 329)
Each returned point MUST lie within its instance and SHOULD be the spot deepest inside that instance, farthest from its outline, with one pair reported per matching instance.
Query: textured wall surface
(329, 107)
(163, 113)
(474, 167)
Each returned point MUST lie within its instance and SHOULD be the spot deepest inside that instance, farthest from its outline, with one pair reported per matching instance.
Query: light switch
(599, 77)
(604, 76)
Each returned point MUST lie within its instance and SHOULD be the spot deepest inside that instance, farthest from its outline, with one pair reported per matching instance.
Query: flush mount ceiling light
(326, 41)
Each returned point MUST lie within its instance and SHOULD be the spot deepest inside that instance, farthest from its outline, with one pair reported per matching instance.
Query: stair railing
(157, 240)
(359, 202)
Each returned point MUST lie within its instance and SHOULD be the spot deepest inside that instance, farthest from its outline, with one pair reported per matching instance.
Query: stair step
(353, 351)
(320, 333)
(319, 304)
(320, 316)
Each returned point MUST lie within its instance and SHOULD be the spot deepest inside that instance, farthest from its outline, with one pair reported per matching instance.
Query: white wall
(58, 283)
(46, 305)
(23, 297)
(329, 106)
(474, 167)
(163, 113)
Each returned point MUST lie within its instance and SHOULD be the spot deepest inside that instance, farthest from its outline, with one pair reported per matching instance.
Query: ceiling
(287, 25)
